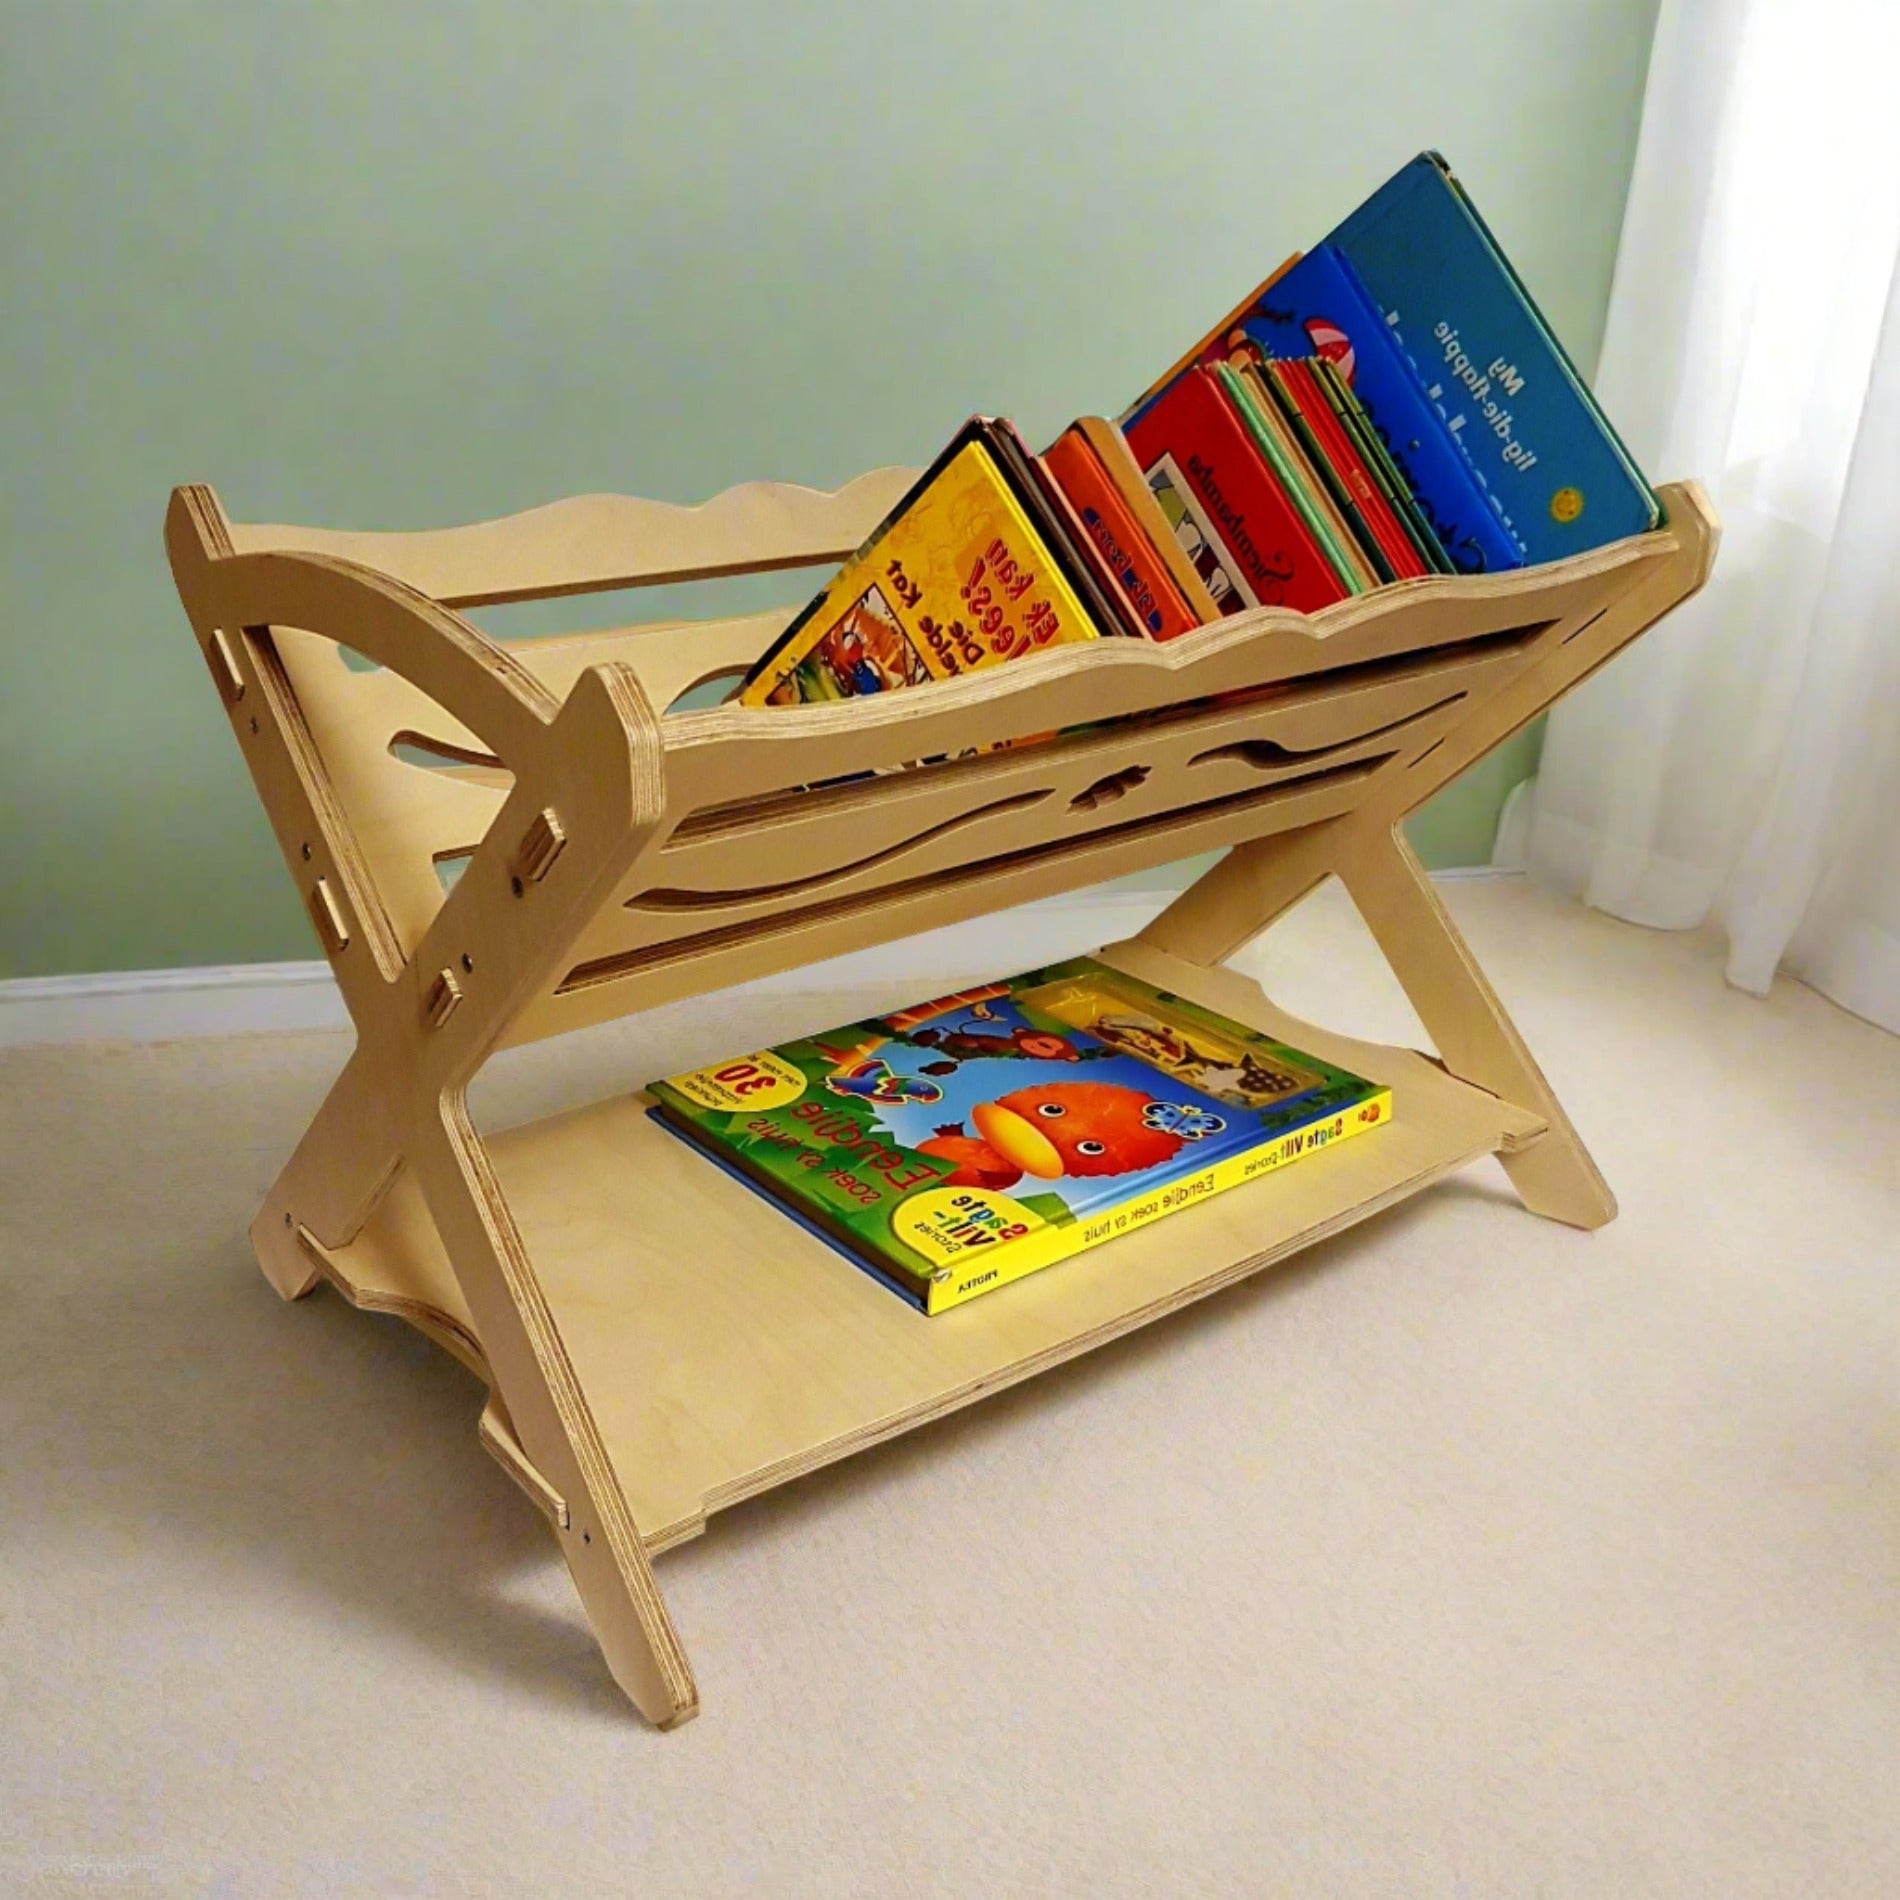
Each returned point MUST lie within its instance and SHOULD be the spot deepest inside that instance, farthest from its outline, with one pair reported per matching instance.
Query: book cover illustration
(957, 577)
(1206, 472)
(958, 1145)
(1213, 344)
(1487, 358)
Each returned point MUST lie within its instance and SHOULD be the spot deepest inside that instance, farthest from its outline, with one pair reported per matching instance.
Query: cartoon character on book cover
(1042, 1106)
(863, 651)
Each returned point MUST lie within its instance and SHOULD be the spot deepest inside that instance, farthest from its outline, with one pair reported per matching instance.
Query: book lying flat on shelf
(953, 1147)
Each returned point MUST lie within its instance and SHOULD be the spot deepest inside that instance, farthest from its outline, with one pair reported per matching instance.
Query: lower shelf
(725, 1351)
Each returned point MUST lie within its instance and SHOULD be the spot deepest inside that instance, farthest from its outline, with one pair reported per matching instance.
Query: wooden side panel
(1266, 724)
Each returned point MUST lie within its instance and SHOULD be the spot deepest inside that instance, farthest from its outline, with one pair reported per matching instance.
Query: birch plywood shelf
(658, 1342)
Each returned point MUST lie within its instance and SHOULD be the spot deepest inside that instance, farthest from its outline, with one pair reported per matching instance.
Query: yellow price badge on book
(750, 1082)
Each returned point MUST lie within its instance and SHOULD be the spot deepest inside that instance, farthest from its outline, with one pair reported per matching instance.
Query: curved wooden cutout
(667, 900)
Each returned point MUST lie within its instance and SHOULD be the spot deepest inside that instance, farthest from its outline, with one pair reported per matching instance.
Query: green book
(1292, 480)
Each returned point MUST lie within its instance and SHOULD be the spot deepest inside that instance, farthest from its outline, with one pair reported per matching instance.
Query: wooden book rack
(658, 1341)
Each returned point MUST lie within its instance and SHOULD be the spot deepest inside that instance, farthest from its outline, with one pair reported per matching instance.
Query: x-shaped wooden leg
(1477, 1041)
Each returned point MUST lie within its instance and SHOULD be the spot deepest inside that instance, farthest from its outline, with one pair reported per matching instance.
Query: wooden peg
(224, 667)
(541, 844)
(327, 913)
(443, 994)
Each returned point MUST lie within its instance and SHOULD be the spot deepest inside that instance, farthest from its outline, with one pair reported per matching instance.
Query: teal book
(1492, 366)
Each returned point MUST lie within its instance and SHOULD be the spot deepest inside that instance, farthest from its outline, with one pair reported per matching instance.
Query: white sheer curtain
(1743, 760)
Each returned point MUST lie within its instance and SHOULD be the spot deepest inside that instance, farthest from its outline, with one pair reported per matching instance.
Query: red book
(1296, 377)
(1106, 519)
(1222, 500)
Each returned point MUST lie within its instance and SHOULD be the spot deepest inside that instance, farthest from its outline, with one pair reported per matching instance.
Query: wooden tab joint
(332, 927)
(543, 842)
(222, 661)
(440, 1000)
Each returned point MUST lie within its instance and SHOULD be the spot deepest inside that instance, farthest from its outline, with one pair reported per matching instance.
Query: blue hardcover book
(1485, 356)
(1319, 307)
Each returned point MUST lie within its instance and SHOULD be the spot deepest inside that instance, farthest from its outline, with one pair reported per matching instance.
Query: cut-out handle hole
(443, 755)
(1105, 791)
(709, 690)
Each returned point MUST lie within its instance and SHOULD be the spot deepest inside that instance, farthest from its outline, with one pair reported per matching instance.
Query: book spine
(1195, 442)
(1357, 428)
(1123, 473)
(1042, 1249)
(1044, 502)
(1137, 566)
(1309, 414)
(1351, 574)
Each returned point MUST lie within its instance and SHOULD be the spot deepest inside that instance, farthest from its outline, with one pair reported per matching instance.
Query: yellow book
(959, 576)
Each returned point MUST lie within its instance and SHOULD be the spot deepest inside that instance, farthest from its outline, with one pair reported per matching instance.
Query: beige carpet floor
(1467, 1555)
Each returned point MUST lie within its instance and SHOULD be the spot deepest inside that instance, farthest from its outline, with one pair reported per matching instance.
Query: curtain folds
(1743, 761)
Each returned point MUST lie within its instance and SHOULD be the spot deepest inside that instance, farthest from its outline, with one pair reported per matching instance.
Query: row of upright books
(1388, 406)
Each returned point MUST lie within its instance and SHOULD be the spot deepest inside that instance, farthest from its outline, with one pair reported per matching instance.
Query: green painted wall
(402, 265)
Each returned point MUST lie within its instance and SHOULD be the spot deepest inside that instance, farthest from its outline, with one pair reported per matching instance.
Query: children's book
(953, 1147)
(1351, 416)
(968, 570)
(1119, 465)
(1136, 562)
(1493, 367)
(1107, 597)
(1288, 463)
(1213, 344)
(1311, 417)
(1213, 483)
(1318, 307)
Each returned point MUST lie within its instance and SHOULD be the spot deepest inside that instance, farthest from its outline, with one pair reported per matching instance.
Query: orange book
(1132, 560)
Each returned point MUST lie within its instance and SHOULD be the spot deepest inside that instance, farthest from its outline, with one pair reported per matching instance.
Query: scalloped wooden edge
(594, 543)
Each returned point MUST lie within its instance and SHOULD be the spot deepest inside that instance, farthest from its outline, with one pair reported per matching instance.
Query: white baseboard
(229, 999)
(250, 998)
